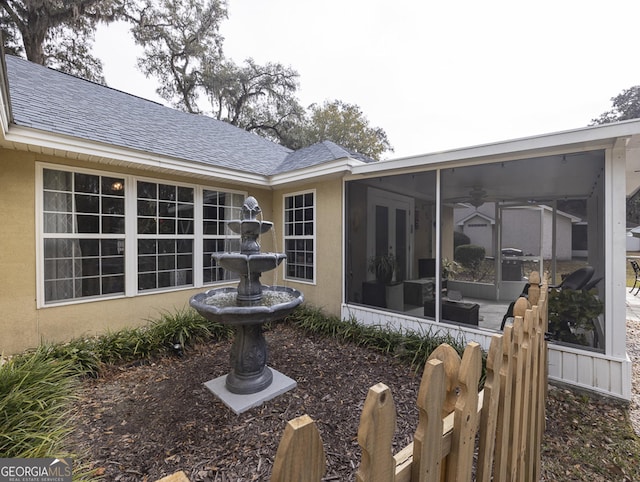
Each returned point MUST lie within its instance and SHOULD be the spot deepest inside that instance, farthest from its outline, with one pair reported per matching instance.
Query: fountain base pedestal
(241, 403)
(246, 385)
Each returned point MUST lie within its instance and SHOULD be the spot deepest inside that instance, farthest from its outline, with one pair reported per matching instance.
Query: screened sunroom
(448, 242)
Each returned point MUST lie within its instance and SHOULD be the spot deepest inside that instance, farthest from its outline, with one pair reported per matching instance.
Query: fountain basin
(219, 305)
(245, 264)
(250, 227)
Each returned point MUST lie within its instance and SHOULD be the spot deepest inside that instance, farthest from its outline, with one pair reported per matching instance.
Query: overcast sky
(434, 75)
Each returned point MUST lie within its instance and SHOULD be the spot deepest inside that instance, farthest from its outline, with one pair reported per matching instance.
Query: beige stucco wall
(18, 320)
(326, 292)
(24, 326)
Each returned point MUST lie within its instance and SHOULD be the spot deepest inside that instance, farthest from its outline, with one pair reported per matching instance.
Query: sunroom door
(390, 229)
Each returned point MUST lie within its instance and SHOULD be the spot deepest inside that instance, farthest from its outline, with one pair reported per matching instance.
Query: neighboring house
(112, 206)
(478, 223)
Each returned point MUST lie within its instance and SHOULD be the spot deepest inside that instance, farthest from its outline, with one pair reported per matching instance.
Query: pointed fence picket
(503, 423)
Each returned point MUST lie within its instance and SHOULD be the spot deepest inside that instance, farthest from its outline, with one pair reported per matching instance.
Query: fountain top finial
(250, 208)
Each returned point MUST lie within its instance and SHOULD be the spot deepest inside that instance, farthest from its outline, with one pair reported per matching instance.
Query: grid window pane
(113, 224)
(88, 224)
(147, 190)
(56, 180)
(58, 201)
(87, 183)
(113, 186)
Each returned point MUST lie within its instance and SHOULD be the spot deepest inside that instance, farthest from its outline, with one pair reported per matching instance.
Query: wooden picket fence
(503, 423)
(495, 433)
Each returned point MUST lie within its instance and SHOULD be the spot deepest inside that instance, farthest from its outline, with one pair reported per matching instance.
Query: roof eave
(335, 168)
(591, 137)
(71, 147)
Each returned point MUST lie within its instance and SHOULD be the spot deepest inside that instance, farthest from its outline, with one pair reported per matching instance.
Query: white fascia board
(4, 117)
(338, 167)
(591, 137)
(128, 157)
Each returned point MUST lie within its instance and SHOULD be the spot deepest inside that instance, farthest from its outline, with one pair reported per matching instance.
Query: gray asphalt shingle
(51, 101)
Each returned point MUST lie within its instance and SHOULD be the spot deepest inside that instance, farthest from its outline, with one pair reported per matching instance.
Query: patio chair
(592, 284)
(636, 282)
(576, 280)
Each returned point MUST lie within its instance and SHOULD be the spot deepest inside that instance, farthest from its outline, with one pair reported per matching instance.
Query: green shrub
(35, 395)
(470, 256)
(459, 238)
(573, 308)
(171, 331)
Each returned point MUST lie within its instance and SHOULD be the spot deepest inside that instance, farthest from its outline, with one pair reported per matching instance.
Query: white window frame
(300, 237)
(130, 236)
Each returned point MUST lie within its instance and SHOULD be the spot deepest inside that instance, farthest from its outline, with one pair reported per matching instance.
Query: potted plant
(448, 267)
(383, 267)
(571, 314)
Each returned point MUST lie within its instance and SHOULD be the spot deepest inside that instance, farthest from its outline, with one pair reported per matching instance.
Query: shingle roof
(318, 153)
(51, 101)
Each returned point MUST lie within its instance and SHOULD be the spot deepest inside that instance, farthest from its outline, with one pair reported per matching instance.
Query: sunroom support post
(615, 244)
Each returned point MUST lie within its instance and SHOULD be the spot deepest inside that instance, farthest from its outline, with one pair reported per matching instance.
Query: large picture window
(95, 228)
(299, 236)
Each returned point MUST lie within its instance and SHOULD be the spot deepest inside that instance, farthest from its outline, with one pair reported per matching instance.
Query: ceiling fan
(476, 197)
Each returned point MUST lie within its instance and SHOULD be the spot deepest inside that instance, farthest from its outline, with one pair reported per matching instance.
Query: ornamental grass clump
(183, 328)
(170, 332)
(408, 346)
(37, 387)
(35, 395)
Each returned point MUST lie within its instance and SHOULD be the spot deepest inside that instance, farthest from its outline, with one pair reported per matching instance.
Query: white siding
(587, 370)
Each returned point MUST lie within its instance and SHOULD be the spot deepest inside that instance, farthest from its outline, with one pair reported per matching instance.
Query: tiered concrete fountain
(250, 381)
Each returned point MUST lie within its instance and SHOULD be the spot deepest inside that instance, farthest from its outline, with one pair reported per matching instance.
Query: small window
(299, 236)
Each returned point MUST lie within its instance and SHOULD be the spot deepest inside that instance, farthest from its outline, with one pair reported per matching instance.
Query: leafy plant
(383, 266)
(572, 311)
(449, 267)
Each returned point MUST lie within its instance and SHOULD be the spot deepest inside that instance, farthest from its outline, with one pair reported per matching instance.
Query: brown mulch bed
(140, 423)
(145, 422)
